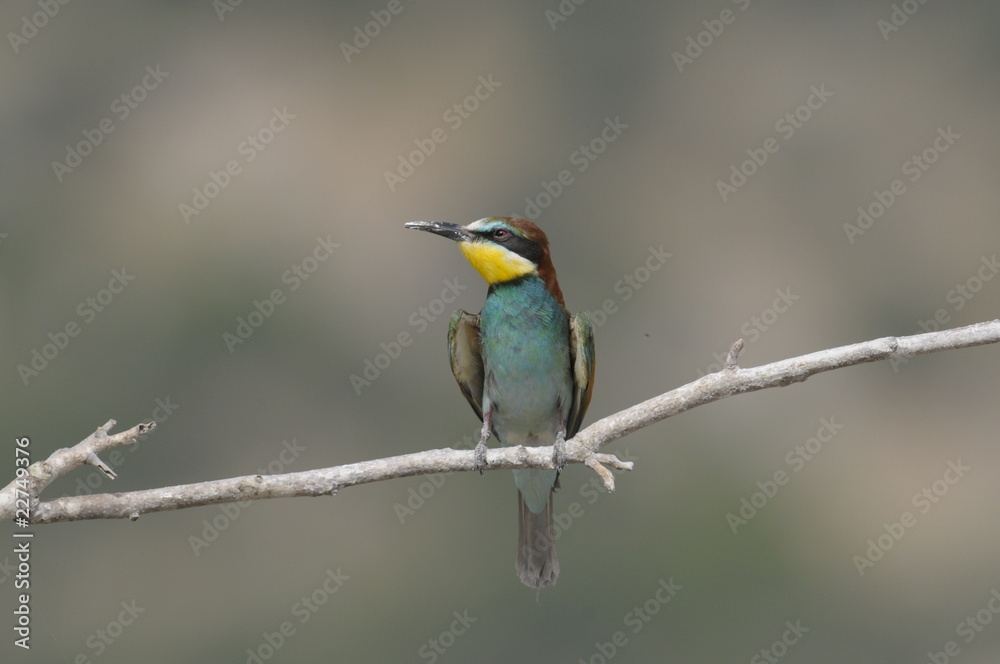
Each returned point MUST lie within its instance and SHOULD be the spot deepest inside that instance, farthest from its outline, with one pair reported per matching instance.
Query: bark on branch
(732, 379)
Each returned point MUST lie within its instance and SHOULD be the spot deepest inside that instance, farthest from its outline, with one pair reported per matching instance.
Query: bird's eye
(501, 234)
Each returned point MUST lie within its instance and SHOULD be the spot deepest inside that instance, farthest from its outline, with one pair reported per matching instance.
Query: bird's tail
(537, 564)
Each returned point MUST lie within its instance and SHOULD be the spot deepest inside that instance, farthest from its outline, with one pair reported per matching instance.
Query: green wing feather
(581, 349)
(467, 358)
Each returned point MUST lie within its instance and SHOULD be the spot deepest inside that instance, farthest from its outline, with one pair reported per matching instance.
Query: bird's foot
(480, 457)
(559, 451)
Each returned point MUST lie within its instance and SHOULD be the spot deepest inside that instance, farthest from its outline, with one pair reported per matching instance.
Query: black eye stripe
(514, 242)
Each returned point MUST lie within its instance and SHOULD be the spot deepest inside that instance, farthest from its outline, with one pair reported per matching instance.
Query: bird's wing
(581, 350)
(466, 357)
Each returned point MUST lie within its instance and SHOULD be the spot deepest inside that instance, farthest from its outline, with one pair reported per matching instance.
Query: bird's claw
(559, 452)
(480, 457)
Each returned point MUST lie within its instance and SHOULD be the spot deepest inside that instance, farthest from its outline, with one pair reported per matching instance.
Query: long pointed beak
(444, 229)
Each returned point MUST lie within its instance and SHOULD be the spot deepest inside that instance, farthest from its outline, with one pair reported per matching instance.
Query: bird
(525, 365)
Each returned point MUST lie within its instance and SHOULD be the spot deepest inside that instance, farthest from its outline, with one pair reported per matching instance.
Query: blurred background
(203, 225)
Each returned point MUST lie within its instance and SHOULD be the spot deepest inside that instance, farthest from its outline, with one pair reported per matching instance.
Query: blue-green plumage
(524, 336)
(525, 366)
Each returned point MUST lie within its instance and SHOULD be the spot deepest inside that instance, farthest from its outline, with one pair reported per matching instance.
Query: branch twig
(731, 380)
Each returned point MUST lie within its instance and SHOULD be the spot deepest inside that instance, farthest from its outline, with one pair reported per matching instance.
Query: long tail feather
(537, 564)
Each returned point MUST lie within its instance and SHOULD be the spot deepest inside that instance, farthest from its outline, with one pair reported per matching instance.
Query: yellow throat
(496, 264)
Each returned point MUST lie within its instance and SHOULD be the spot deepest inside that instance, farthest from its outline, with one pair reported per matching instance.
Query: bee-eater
(525, 366)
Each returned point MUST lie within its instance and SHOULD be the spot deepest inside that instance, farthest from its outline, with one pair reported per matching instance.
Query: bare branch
(582, 449)
(64, 460)
(321, 482)
(733, 380)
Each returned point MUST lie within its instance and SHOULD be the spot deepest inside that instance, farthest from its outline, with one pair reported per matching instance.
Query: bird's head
(500, 248)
